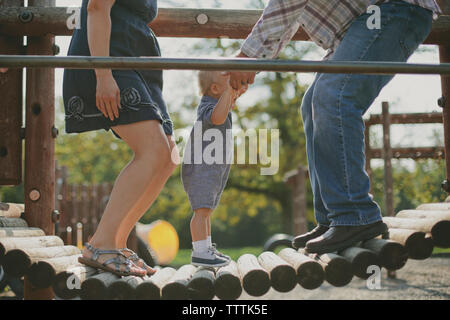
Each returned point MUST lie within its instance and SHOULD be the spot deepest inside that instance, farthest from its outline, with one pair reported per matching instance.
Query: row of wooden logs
(47, 262)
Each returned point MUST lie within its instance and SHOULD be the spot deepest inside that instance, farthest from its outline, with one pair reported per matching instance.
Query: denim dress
(140, 90)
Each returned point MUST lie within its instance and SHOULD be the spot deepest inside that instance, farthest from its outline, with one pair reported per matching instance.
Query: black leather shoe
(342, 237)
(301, 240)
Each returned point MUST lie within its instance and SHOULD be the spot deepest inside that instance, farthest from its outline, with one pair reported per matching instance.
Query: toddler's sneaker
(220, 254)
(208, 258)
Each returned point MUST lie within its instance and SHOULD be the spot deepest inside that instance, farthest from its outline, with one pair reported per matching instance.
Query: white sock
(209, 241)
(200, 246)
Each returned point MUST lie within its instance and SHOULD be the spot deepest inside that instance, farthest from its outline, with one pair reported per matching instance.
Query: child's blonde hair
(206, 79)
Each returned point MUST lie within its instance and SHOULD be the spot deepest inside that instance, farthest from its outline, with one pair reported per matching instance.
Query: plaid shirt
(325, 21)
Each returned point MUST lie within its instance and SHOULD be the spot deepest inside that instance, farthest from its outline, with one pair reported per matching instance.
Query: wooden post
(368, 154)
(40, 134)
(387, 155)
(297, 181)
(11, 109)
(444, 102)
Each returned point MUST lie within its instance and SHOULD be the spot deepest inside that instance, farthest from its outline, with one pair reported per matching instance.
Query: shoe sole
(363, 236)
(199, 264)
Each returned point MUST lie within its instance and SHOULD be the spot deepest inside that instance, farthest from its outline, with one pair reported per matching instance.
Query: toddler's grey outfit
(207, 158)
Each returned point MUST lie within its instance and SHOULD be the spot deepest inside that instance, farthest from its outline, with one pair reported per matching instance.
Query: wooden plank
(406, 118)
(173, 22)
(410, 153)
(11, 108)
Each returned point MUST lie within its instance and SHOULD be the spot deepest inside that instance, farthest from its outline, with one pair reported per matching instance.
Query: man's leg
(339, 102)
(320, 212)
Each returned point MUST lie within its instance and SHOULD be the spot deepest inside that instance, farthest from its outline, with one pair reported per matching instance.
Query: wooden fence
(80, 205)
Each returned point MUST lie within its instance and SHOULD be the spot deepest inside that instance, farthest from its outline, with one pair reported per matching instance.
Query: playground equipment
(162, 238)
(46, 262)
(40, 22)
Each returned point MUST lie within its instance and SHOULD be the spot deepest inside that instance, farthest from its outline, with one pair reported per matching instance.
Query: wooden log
(360, 259)
(150, 289)
(310, 274)
(283, 276)
(96, 286)
(439, 229)
(189, 22)
(39, 133)
(441, 206)
(338, 271)
(21, 232)
(11, 105)
(33, 293)
(392, 255)
(67, 284)
(428, 214)
(418, 244)
(201, 285)
(7, 244)
(228, 285)
(11, 210)
(124, 288)
(177, 287)
(43, 272)
(18, 261)
(255, 279)
(12, 223)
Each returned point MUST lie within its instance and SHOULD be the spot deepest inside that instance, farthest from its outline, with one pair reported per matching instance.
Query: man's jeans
(333, 109)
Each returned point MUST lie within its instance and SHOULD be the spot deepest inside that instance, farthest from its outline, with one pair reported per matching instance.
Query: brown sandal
(119, 260)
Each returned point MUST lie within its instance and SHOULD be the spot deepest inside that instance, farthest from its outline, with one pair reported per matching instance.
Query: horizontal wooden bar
(171, 22)
(410, 153)
(158, 63)
(406, 118)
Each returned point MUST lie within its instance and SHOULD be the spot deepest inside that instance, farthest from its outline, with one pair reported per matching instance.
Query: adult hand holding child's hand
(239, 79)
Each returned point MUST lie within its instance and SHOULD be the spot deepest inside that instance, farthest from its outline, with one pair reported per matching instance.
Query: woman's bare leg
(151, 155)
(151, 193)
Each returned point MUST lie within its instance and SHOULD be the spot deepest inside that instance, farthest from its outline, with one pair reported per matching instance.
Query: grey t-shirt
(207, 157)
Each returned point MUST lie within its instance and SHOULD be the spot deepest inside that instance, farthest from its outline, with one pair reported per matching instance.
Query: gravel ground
(425, 280)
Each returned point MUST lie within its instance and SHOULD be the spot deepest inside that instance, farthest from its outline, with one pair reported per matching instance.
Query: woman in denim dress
(130, 103)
